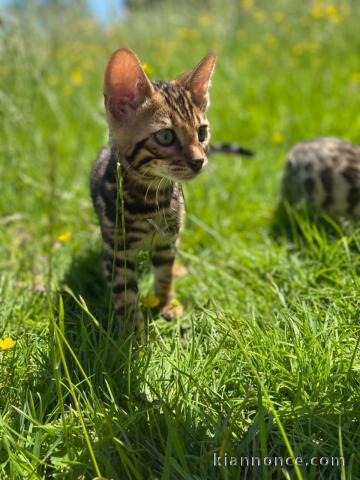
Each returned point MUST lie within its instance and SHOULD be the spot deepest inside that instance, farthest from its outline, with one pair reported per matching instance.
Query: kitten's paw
(172, 310)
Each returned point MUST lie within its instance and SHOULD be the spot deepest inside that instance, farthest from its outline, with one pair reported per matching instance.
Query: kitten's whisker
(147, 190)
(157, 192)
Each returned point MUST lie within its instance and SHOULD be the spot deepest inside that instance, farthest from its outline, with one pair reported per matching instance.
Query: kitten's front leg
(122, 275)
(163, 258)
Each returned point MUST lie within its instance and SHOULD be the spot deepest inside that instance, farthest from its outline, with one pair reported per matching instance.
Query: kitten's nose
(196, 164)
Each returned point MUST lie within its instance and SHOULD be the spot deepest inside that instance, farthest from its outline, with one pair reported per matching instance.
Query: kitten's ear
(126, 86)
(198, 80)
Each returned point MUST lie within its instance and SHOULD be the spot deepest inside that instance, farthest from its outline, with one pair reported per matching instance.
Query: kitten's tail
(232, 148)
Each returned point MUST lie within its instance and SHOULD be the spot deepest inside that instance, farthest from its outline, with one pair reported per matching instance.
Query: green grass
(266, 360)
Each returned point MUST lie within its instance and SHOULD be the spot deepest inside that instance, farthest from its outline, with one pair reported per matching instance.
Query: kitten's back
(97, 175)
(325, 173)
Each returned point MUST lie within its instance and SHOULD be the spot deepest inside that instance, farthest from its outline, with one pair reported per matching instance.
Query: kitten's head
(161, 127)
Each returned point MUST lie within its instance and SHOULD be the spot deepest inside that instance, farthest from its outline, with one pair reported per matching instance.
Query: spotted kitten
(159, 134)
(325, 173)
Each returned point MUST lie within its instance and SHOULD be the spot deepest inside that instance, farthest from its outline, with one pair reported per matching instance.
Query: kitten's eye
(165, 137)
(202, 133)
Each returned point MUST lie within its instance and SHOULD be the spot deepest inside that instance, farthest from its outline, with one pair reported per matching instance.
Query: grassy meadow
(265, 361)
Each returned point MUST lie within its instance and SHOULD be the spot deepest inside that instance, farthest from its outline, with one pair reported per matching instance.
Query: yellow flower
(175, 302)
(7, 343)
(64, 237)
(77, 77)
(278, 17)
(147, 68)
(247, 4)
(277, 138)
(259, 15)
(271, 39)
(333, 13)
(150, 301)
(205, 20)
(188, 33)
(317, 11)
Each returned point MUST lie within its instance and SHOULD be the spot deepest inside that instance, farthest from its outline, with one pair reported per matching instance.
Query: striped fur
(136, 180)
(232, 148)
(325, 173)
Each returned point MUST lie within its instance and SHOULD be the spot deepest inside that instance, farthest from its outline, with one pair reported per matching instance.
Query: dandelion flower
(333, 13)
(278, 138)
(206, 20)
(317, 11)
(278, 17)
(147, 68)
(247, 4)
(64, 237)
(7, 343)
(271, 40)
(150, 301)
(259, 15)
(77, 78)
(188, 33)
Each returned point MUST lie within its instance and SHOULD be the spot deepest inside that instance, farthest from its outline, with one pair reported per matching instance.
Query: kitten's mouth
(182, 175)
(176, 175)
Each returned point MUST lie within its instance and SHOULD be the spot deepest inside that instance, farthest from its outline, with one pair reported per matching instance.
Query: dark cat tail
(232, 148)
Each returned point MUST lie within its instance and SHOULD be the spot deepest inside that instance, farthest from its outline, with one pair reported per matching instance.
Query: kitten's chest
(150, 221)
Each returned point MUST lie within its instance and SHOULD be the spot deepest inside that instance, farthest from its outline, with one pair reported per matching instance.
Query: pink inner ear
(199, 89)
(124, 91)
(118, 106)
(125, 83)
(121, 84)
(200, 86)
(199, 81)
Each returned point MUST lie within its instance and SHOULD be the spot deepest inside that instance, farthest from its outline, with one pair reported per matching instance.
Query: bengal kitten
(159, 135)
(325, 173)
